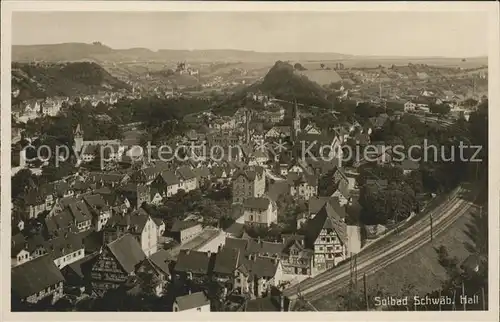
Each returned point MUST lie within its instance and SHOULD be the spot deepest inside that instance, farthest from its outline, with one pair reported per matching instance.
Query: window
(198, 309)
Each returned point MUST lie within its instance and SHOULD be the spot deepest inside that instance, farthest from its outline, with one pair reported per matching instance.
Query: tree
(299, 66)
(322, 65)
(441, 109)
(21, 181)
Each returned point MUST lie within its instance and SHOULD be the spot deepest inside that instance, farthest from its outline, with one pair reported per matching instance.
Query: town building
(260, 211)
(248, 183)
(138, 224)
(36, 280)
(326, 234)
(184, 231)
(118, 262)
(193, 302)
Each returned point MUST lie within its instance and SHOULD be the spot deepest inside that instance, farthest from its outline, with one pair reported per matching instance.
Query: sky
(448, 34)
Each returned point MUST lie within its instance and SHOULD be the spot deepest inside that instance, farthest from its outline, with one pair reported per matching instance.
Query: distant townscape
(147, 184)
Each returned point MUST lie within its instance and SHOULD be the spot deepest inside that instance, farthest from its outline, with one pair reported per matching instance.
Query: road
(377, 258)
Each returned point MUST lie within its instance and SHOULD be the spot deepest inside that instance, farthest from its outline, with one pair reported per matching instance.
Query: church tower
(78, 137)
(296, 120)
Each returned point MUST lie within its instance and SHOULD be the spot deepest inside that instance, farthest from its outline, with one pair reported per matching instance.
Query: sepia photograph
(249, 161)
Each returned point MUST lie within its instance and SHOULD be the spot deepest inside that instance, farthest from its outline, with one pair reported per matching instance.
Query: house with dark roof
(269, 303)
(256, 275)
(19, 253)
(99, 209)
(154, 272)
(137, 223)
(302, 185)
(296, 258)
(261, 211)
(167, 183)
(326, 235)
(118, 261)
(36, 280)
(227, 261)
(135, 193)
(342, 193)
(248, 182)
(194, 264)
(187, 179)
(192, 302)
(65, 249)
(184, 231)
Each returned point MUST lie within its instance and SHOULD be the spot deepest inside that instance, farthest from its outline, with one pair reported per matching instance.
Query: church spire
(78, 130)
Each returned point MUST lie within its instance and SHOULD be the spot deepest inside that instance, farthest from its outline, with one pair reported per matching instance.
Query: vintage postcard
(249, 158)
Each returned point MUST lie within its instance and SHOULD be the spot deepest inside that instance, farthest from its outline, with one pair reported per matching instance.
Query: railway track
(409, 240)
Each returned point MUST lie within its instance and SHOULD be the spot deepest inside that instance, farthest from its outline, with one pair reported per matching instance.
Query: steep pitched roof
(260, 267)
(185, 173)
(34, 276)
(250, 173)
(226, 260)
(135, 221)
(191, 301)
(162, 259)
(169, 177)
(258, 203)
(326, 218)
(194, 261)
(236, 243)
(127, 252)
(180, 225)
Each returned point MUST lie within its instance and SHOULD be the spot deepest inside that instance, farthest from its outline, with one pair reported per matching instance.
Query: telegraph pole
(463, 297)
(366, 293)
(432, 235)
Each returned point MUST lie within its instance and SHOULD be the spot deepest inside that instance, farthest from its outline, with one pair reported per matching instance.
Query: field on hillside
(420, 268)
(322, 77)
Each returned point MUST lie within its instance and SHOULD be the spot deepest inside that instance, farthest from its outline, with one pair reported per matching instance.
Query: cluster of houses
(52, 106)
(94, 233)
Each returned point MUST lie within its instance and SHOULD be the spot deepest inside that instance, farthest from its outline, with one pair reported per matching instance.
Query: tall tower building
(296, 120)
(78, 137)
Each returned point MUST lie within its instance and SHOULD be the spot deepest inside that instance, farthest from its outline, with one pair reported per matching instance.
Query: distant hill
(100, 53)
(68, 79)
(282, 81)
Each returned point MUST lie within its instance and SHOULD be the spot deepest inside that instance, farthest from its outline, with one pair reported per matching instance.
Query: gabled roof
(36, 275)
(194, 261)
(162, 259)
(191, 301)
(327, 218)
(64, 244)
(127, 252)
(250, 173)
(135, 221)
(180, 225)
(185, 173)
(258, 203)
(260, 267)
(169, 177)
(226, 260)
(236, 243)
